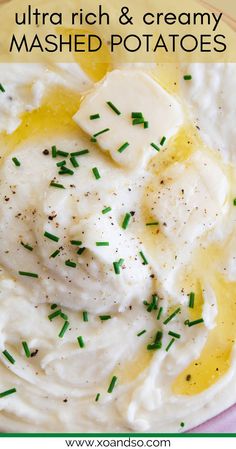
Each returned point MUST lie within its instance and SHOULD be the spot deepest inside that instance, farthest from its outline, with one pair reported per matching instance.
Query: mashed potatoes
(117, 218)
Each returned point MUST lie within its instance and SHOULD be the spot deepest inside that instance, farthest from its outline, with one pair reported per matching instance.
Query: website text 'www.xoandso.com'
(118, 443)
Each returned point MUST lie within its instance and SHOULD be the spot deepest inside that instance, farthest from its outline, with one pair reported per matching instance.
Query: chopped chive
(162, 141)
(123, 147)
(155, 146)
(54, 315)
(116, 267)
(112, 384)
(158, 337)
(141, 333)
(97, 397)
(26, 273)
(170, 344)
(2, 88)
(9, 357)
(146, 303)
(187, 77)
(16, 161)
(66, 171)
(64, 316)
(94, 116)
(101, 132)
(182, 424)
(150, 307)
(85, 316)
(26, 246)
(52, 237)
(157, 344)
(145, 262)
(55, 254)
(80, 251)
(126, 221)
(93, 139)
(79, 153)
(191, 300)
(172, 316)
(62, 153)
(159, 313)
(53, 306)
(26, 349)
(138, 121)
(55, 184)
(146, 125)
(113, 107)
(155, 300)
(61, 163)
(173, 334)
(81, 342)
(193, 323)
(154, 223)
(54, 151)
(105, 317)
(64, 329)
(154, 346)
(71, 264)
(153, 304)
(74, 162)
(76, 242)
(234, 202)
(102, 243)
(7, 392)
(96, 173)
(137, 115)
(106, 210)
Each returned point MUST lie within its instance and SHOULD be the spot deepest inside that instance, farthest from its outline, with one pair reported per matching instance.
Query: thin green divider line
(116, 435)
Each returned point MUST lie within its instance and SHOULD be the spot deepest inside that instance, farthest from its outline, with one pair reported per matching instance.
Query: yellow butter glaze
(129, 371)
(168, 76)
(215, 358)
(54, 116)
(91, 63)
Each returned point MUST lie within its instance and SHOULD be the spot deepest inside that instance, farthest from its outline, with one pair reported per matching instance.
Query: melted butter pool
(215, 359)
(94, 67)
(129, 371)
(54, 116)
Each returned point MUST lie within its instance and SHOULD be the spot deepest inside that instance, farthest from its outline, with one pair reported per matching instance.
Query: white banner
(180, 442)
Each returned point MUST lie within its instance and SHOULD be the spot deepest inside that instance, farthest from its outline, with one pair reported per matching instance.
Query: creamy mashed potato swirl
(117, 272)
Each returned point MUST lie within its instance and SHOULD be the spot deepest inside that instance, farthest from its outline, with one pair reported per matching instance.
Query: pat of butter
(189, 198)
(130, 91)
